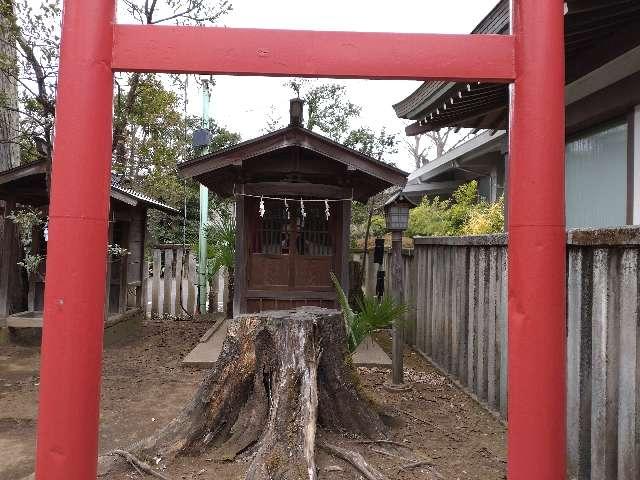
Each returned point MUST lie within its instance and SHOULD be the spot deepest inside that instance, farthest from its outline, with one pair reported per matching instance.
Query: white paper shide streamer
(303, 214)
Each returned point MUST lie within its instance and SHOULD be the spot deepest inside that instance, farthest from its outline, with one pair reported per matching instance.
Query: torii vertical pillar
(92, 46)
(77, 252)
(537, 244)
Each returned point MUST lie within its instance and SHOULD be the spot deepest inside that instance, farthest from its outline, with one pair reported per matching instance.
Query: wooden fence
(171, 282)
(456, 289)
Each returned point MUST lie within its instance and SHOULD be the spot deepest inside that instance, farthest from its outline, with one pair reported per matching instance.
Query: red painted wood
(537, 337)
(242, 51)
(76, 260)
(74, 298)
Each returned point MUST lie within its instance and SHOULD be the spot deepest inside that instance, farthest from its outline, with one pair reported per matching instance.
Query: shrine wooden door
(291, 253)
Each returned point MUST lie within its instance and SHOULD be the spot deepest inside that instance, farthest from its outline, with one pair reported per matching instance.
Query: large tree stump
(279, 375)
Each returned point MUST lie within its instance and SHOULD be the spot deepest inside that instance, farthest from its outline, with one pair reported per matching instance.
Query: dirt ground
(144, 386)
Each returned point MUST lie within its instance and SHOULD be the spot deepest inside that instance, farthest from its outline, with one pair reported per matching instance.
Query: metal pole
(537, 245)
(397, 291)
(77, 250)
(204, 211)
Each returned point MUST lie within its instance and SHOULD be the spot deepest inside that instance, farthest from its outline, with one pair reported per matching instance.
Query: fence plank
(442, 289)
(461, 292)
(463, 312)
(471, 337)
(428, 317)
(421, 272)
(628, 436)
(437, 346)
(155, 295)
(492, 378)
(482, 325)
(604, 404)
(191, 275)
(574, 357)
(410, 298)
(146, 286)
(455, 312)
(179, 313)
(168, 282)
(447, 306)
(435, 304)
(503, 327)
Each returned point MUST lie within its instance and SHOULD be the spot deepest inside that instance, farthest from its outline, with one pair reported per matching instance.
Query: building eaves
(486, 142)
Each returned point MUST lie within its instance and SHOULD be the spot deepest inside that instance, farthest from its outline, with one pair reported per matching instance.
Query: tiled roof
(147, 200)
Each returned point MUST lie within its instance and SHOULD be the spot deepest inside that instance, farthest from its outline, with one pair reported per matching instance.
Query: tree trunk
(10, 271)
(278, 377)
(9, 121)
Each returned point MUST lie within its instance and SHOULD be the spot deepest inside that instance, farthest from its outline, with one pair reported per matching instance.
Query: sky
(242, 104)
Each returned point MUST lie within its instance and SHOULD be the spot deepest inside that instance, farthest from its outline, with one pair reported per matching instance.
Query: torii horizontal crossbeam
(93, 46)
(249, 51)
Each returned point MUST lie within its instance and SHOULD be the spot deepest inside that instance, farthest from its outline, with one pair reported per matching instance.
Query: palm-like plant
(372, 315)
(221, 249)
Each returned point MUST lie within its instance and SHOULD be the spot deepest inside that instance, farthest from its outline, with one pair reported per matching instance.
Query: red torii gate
(94, 46)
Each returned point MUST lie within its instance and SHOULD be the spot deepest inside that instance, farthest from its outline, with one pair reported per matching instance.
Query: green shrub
(372, 314)
(463, 214)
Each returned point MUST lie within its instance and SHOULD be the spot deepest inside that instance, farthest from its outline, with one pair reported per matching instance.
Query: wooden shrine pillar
(8, 255)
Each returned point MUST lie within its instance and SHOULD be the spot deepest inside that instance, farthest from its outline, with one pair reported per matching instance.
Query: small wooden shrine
(293, 191)
(22, 301)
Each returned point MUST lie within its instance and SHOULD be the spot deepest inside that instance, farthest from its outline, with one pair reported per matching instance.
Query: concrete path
(369, 354)
(205, 354)
(208, 349)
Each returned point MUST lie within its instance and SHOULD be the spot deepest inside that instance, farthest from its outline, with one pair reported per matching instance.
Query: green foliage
(331, 113)
(221, 241)
(463, 214)
(378, 226)
(181, 12)
(150, 131)
(376, 145)
(329, 109)
(372, 314)
(116, 250)
(485, 218)
(34, 28)
(31, 262)
(27, 219)
(156, 137)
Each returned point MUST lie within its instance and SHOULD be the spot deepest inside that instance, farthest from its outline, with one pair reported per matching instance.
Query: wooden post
(107, 287)
(124, 286)
(240, 276)
(124, 268)
(8, 255)
(31, 293)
